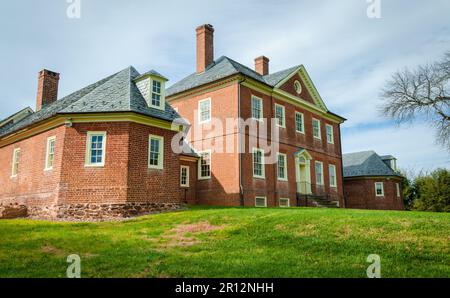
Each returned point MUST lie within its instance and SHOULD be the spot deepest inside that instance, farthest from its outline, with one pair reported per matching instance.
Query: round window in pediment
(298, 87)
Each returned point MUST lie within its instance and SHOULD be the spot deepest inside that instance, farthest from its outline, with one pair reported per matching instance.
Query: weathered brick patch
(12, 211)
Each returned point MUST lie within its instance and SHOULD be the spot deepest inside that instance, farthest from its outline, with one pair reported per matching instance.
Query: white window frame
(160, 164)
(321, 182)
(89, 136)
(263, 170)
(331, 166)
(47, 153)
(260, 118)
(320, 133)
(265, 201)
(288, 202)
(332, 133)
(283, 125)
(15, 161)
(397, 188)
(285, 167)
(187, 176)
(200, 177)
(162, 100)
(382, 189)
(200, 121)
(303, 122)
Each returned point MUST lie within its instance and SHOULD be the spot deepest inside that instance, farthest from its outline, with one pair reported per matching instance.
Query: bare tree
(421, 93)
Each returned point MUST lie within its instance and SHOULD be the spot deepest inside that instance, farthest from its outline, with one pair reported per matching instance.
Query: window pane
(154, 152)
(205, 166)
(316, 128)
(319, 173)
(256, 108)
(257, 163)
(279, 114)
(281, 166)
(205, 109)
(298, 122)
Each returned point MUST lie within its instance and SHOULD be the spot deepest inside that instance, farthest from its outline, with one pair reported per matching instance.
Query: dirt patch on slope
(187, 234)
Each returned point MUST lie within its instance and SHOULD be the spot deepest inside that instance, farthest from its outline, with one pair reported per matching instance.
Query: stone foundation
(99, 211)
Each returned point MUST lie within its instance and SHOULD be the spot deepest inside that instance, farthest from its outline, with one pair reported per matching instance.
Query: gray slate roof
(366, 163)
(116, 93)
(222, 68)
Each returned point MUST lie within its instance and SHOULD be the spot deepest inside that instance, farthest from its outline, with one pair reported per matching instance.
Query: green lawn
(233, 242)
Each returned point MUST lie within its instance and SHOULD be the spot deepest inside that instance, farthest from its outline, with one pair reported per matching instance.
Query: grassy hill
(233, 242)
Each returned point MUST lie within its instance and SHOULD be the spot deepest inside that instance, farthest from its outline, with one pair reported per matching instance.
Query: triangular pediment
(298, 84)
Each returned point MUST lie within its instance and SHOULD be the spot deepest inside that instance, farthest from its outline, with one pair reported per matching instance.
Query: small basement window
(260, 202)
(284, 202)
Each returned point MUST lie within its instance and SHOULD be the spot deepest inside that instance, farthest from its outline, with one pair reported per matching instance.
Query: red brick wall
(106, 184)
(125, 176)
(32, 185)
(360, 194)
(152, 185)
(223, 187)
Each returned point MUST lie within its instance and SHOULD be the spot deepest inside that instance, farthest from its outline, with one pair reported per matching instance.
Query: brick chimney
(205, 47)
(47, 91)
(262, 65)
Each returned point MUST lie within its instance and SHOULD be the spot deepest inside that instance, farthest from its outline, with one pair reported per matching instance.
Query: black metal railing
(309, 191)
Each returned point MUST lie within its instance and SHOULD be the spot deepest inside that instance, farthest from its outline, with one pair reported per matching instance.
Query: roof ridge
(243, 65)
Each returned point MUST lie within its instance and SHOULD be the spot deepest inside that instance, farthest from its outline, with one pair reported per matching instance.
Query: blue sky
(348, 55)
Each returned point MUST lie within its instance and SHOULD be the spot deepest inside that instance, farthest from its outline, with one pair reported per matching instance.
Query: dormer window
(152, 86)
(156, 93)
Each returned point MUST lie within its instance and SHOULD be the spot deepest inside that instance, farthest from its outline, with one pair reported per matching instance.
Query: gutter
(241, 187)
(342, 166)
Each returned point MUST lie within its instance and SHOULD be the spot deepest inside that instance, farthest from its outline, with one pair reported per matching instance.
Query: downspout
(342, 166)
(241, 187)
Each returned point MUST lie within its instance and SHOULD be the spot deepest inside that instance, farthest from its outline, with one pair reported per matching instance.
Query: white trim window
(155, 152)
(15, 162)
(204, 165)
(332, 174)
(330, 133)
(299, 122)
(257, 108)
(157, 96)
(282, 167)
(95, 149)
(50, 153)
(284, 202)
(204, 110)
(379, 189)
(319, 172)
(184, 176)
(316, 129)
(260, 202)
(397, 188)
(258, 163)
(280, 115)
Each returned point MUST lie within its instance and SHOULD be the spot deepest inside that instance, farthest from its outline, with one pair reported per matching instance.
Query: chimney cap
(205, 26)
(49, 72)
(264, 58)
